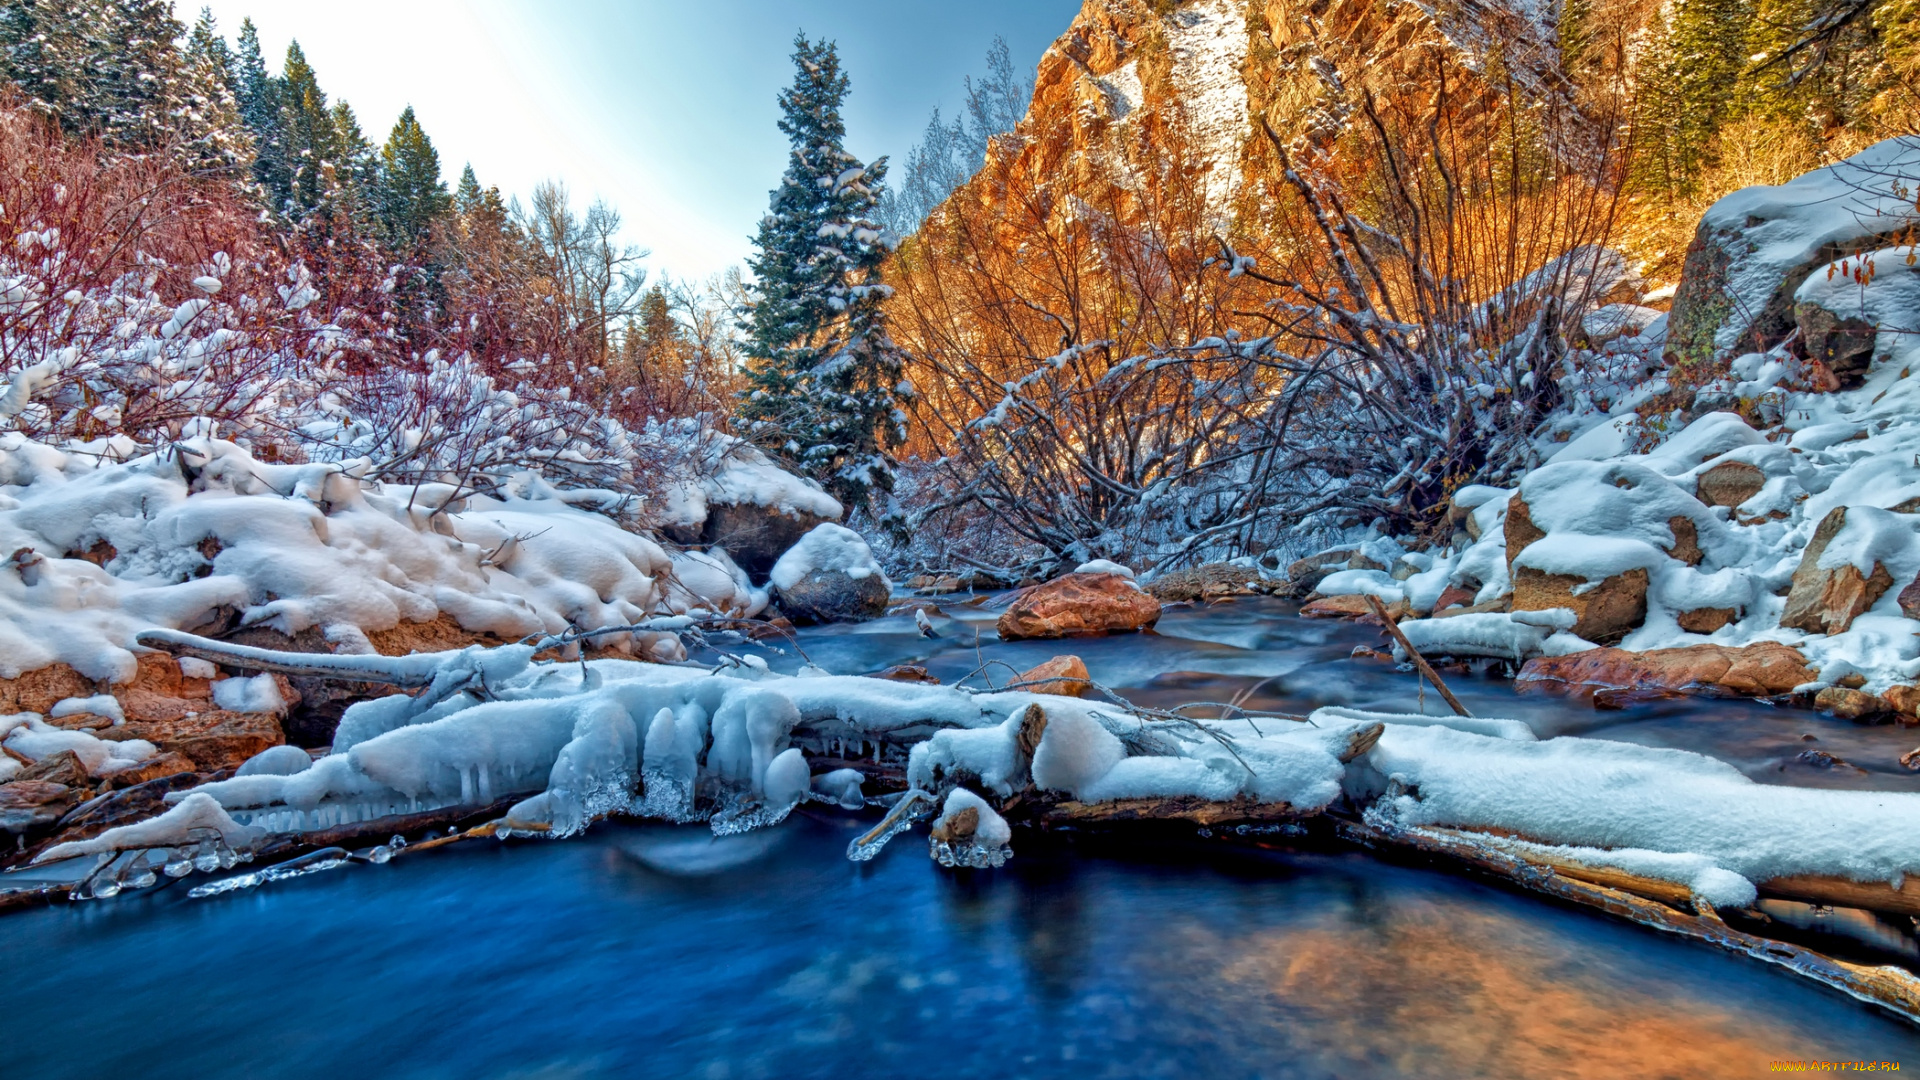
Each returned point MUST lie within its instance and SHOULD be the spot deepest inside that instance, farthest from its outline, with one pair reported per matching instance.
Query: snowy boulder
(1305, 574)
(731, 495)
(1205, 582)
(1861, 312)
(1827, 598)
(830, 576)
(1754, 247)
(1076, 604)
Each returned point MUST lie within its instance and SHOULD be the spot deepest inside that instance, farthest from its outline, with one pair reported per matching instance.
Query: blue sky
(666, 110)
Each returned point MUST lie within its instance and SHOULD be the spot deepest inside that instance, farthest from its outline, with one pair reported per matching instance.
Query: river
(659, 951)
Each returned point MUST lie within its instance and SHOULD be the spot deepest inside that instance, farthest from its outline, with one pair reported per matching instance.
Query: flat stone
(1764, 669)
(211, 740)
(1077, 604)
(1706, 620)
(1729, 484)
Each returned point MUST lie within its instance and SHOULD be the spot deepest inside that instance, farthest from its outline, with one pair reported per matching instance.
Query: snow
(1208, 42)
(1601, 794)
(724, 471)
(192, 819)
(827, 547)
(1793, 225)
(1104, 566)
(298, 546)
(276, 761)
(992, 831)
(32, 738)
(258, 694)
(97, 705)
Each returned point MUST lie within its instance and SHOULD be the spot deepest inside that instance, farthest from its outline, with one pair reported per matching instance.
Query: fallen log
(1887, 986)
(406, 672)
(1840, 892)
(1240, 810)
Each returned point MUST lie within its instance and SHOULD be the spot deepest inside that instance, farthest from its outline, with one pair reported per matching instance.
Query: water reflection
(578, 959)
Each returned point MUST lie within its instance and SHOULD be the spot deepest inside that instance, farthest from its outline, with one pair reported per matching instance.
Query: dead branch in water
(1419, 661)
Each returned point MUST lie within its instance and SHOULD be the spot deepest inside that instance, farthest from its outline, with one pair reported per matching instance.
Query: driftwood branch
(1419, 661)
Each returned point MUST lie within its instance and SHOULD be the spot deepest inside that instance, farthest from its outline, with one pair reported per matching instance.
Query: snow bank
(204, 533)
(195, 818)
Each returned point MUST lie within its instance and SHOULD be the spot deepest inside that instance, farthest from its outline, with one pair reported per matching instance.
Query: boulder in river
(1063, 675)
(1076, 604)
(830, 576)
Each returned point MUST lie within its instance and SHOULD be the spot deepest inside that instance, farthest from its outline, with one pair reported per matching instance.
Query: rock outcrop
(1076, 604)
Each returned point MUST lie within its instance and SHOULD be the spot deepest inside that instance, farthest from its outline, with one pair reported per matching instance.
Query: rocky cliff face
(1205, 73)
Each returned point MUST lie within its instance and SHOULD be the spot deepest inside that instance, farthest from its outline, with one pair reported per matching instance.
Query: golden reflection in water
(1450, 992)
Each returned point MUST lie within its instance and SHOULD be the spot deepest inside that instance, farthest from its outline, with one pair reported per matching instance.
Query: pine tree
(1691, 87)
(824, 381)
(258, 94)
(312, 148)
(210, 132)
(101, 67)
(412, 196)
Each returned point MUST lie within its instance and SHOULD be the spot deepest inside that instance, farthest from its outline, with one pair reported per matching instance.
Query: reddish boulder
(1076, 604)
(1827, 601)
(1063, 675)
(1766, 669)
(1453, 596)
(1849, 704)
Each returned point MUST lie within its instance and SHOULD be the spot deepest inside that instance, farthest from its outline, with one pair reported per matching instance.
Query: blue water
(640, 951)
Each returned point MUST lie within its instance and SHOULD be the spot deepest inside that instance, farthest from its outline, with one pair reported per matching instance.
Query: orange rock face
(1076, 604)
(1767, 669)
(1063, 675)
(211, 740)
(1604, 613)
(1826, 601)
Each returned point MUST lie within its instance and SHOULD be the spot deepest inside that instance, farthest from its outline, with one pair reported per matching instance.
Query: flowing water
(659, 951)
